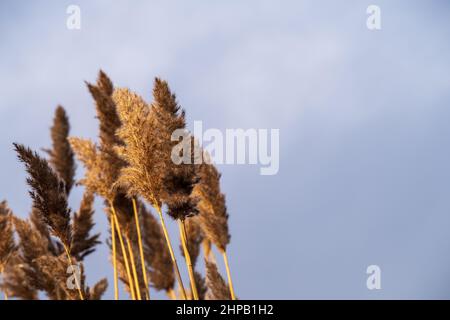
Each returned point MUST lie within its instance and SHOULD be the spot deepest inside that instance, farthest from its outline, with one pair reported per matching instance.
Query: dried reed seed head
(109, 123)
(98, 290)
(142, 150)
(163, 96)
(178, 180)
(106, 110)
(27, 272)
(83, 243)
(7, 245)
(97, 177)
(48, 193)
(217, 287)
(61, 154)
(53, 245)
(213, 217)
(15, 280)
(200, 283)
(104, 83)
(177, 194)
(56, 269)
(156, 253)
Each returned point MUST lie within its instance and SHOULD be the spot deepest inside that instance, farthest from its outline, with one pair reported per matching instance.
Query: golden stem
(171, 293)
(187, 256)
(230, 282)
(76, 278)
(133, 267)
(113, 236)
(172, 255)
(141, 249)
(124, 253)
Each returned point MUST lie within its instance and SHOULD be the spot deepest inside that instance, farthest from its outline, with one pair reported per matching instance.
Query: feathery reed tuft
(48, 193)
(61, 154)
(7, 245)
(213, 216)
(178, 179)
(141, 150)
(98, 290)
(217, 287)
(83, 243)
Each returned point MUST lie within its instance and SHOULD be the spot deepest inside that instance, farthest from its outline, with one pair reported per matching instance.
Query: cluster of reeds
(131, 169)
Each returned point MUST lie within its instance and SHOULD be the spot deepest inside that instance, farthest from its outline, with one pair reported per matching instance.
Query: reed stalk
(141, 249)
(124, 253)
(187, 256)
(172, 255)
(116, 280)
(171, 294)
(133, 268)
(230, 281)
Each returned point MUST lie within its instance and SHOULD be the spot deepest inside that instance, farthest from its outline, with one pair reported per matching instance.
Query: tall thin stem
(66, 249)
(187, 256)
(171, 294)
(172, 255)
(230, 282)
(133, 267)
(113, 237)
(141, 248)
(124, 253)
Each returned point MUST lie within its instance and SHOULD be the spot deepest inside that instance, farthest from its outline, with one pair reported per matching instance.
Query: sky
(362, 114)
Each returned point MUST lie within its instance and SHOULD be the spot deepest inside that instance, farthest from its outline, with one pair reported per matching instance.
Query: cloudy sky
(363, 116)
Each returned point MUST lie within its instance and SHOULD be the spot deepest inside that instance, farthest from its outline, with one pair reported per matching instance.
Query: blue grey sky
(363, 118)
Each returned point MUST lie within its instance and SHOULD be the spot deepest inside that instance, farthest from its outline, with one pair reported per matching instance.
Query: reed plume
(61, 155)
(179, 178)
(55, 268)
(217, 287)
(98, 290)
(109, 121)
(213, 216)
(54, 245)
(48, 193)
(49, 196)
(7, 245)
(15, 280)
(83, 243)
(27, 274)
